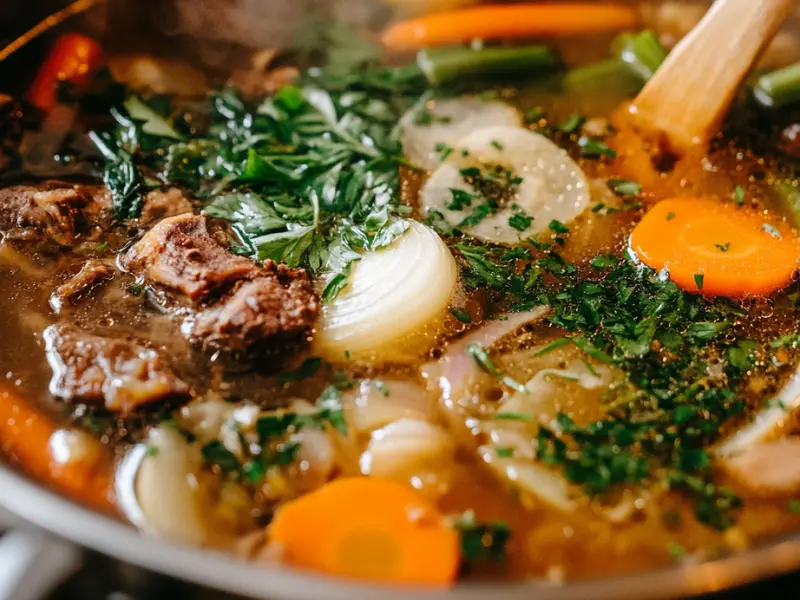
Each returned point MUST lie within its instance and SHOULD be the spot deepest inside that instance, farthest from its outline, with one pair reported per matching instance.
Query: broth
(259, 385)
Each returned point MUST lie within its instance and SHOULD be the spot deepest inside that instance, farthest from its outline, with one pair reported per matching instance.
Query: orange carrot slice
(508, 21)
(717, 249)
(74, 59)
(26, 437)
(368, 528)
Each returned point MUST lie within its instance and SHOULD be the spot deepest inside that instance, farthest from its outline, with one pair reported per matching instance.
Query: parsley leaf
(289, 246)
(572, 123)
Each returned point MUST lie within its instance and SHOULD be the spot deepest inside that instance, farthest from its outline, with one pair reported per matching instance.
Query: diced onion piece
(543, 390)
(443, 123)
(770, 469)
(167, 491)
(553, 186)
(394, 301)
(405, 446)
(546, 390)
(765, 423)
(374, 404)
(316, 458)
(548, 486)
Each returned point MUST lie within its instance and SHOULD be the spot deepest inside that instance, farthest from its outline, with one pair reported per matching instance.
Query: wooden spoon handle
(690, 93)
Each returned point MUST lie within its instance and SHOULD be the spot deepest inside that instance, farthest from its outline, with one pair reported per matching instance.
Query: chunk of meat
(279, 306)
(179, 253)
(50, 210)
(160, 204)
(769, 469)
(117, 374)
(92, 273)
(99, 210)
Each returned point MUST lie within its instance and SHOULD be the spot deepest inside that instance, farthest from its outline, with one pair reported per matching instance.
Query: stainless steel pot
(38, 510)
(47, 511)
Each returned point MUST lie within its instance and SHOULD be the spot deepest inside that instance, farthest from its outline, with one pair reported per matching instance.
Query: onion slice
(394, 302)
(442, 123)
(765, 422)
(551, 185)
(158, 489)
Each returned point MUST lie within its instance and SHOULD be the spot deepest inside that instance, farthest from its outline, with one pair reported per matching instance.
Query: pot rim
(47, 510)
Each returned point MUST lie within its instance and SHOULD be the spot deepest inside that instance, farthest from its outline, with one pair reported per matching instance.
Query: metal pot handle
(32, 564)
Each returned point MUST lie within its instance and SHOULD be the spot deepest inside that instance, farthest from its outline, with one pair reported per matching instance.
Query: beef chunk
(281, 305)
(49, 210)
(243, 306)
(117, 374)
(179, 253)
(92, 273)
(162, 204)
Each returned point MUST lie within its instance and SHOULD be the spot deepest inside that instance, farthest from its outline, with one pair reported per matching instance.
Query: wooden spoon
(690, 93)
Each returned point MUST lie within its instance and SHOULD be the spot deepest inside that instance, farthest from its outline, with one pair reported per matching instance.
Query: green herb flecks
(625, 187)
(485, 362)
(591, 148)
(482, 541)
(308, 176)
(572, 124)
(738, 195)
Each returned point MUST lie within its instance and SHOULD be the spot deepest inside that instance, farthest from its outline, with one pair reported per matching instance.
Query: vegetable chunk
(371, 529)
(717, 249)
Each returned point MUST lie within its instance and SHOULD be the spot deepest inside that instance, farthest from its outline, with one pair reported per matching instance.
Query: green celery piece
(779, 88)
(445, 65)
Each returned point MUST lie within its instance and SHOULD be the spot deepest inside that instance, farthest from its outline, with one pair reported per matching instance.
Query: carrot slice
(717, 249)
(368, 528)
(73, 59)
(508, 21)
(27, 436)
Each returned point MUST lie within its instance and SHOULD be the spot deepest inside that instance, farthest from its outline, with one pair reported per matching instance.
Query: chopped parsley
(572, 124)
(461, 315)
(625, 187)
(594, 148)
(482, 541)
(308, 176)
(558, 227)
(723, 247)
(308, 369)
(670, 216)
(520, 221)
(738, 195)
(603, 262)
(509, 416)
(698, 280)
(483, 359)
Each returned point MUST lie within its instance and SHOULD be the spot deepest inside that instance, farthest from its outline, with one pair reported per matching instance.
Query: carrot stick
(716, 248)
(74, 59)
(368, 528)
(508, 21)
(26, 436)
